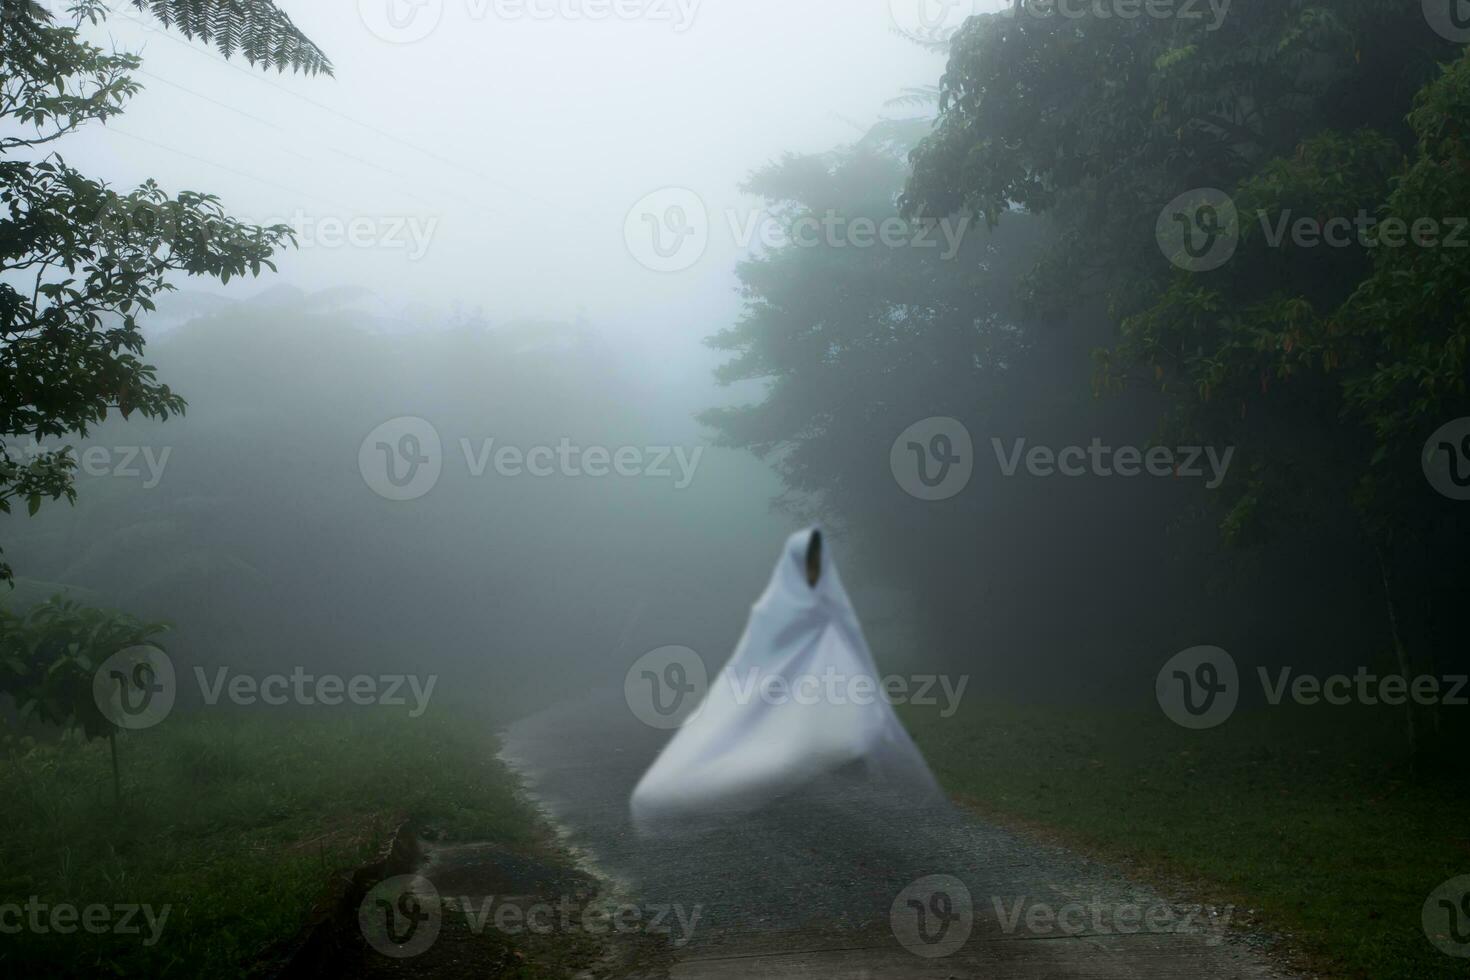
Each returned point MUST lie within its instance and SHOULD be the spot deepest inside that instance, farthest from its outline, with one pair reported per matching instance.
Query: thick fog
(519, 224)
(865, 479)
(466, 195)
(497, 156)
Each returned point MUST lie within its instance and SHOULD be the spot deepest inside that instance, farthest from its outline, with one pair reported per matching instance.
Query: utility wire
(431, 154)
(225, 167)
(280, 129)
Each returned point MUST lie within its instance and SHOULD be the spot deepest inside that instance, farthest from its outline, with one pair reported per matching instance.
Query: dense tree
(1328, 366)
(80, 263)
(1295, 110)
(256, 29)
(839, 332)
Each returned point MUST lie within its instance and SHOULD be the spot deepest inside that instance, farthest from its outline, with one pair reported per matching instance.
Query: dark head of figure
(814, 559)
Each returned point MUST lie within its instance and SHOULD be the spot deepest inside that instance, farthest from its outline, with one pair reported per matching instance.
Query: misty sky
(509, 150)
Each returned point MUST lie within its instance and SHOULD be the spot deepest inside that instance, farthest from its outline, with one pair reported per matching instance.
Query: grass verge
(1313, 821)
(228, 831)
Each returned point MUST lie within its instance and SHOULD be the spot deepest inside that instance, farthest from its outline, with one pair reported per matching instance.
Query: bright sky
(488, 152)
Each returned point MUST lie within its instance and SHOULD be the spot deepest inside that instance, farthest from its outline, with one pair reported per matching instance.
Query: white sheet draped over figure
(800, 698)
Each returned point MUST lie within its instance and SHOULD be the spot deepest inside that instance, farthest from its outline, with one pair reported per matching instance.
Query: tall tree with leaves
(257, 30)
(855, 337)
(80, 262)
(1326, 366)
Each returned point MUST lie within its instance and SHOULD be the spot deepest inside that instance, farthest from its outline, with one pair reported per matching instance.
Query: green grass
(1314, 819)
(1311, 818)
(235, 824)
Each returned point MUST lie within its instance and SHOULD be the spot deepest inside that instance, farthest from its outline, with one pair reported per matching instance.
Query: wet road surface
(843, 881)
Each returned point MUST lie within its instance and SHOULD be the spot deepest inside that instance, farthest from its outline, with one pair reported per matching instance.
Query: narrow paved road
(843, 882)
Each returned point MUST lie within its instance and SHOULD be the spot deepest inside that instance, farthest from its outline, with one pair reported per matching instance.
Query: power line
(280, 129)
(482, 209)
(433, 155)
(223, 105)
(225, 167)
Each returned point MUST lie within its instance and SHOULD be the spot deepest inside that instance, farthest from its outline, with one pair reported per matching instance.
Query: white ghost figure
(800, 698)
